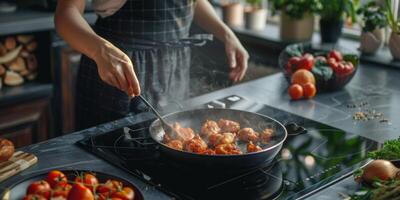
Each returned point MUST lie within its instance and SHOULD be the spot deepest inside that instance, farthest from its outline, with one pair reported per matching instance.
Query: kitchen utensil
(195, 118)
(166, 126)
(17, 163)
(18, 189)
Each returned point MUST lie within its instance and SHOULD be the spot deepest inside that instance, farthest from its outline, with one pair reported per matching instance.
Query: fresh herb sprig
(389, 151)
(387, 190)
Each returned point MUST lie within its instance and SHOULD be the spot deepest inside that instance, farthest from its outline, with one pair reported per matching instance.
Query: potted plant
(373, 22)
(232, 12)
(297, 19)
(255, 15)
(332, 14)
(394, 40)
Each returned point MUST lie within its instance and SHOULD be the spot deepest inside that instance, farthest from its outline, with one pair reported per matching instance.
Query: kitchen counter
(373, 84)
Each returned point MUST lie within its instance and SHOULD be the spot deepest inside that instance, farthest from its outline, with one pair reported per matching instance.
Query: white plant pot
(394, 45)
(255, 19)
(296, 30)
(370, 42)
(232, 14)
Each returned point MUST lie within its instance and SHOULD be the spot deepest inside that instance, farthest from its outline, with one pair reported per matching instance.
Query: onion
(6, 149)
(379, 169)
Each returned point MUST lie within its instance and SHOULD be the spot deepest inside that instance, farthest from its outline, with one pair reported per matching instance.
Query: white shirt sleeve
(105, 8)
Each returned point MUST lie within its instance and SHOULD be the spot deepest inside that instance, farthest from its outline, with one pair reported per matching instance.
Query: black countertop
(374, 84)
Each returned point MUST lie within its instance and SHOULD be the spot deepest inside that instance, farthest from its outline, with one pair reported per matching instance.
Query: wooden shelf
(27, 20)
(28, 91)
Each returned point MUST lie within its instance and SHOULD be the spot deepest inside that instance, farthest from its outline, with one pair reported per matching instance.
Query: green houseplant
(333, 13)
(394, 41)
(255, 15)
(297, 18)
(373, 18)
(232, 12)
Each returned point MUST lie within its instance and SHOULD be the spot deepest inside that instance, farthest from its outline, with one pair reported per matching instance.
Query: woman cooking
(138, 46)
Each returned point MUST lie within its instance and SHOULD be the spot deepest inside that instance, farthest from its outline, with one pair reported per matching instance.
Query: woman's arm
(114, 66)
(207, 19)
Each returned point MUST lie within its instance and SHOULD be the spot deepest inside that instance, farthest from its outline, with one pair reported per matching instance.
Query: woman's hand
(237, 57)
(116, 69)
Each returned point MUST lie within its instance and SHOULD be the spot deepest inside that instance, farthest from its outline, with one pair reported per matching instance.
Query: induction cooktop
(308, 162)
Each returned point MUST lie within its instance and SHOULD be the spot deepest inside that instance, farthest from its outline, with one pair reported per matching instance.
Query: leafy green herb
(296, 9)
(390, 17)
(337, 9)
(373, 16)
(387, 190)
(255, 3)
(389, 151)
(322, 72)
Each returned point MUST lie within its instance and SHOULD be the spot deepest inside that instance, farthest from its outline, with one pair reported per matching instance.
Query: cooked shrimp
(224, 138)
(175, 144)
(253, 148)
(248, 134)
(229, 126)
(166, 138)
(209, 127)
(227, 149)
(195, 145)
(266, 135)
(181, 133)
(208, 152)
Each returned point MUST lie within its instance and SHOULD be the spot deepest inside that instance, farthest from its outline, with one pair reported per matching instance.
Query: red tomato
(41, 188)
(33, 197)
(109, 187)
(54, 177)
(106, 197)
(80, 192)
(292, 64)
(126, 193)
(306, 62)
(349, 67)
(88, 179)
(336, 55)
(61, 191)
(309, 90)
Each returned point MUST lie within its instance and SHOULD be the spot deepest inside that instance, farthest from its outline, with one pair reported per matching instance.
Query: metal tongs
(165, 125)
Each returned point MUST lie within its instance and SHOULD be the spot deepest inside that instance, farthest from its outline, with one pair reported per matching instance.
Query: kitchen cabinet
(25, 123)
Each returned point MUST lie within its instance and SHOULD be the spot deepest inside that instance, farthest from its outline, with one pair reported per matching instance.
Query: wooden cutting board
(17, 163)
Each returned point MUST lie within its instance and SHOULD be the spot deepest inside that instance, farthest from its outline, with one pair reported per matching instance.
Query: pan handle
(294, 129)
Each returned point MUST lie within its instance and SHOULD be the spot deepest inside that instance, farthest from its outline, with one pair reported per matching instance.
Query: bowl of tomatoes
(73, 185)
(332, 66)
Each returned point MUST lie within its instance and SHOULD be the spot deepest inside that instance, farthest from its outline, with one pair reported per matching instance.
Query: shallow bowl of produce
(332, 66)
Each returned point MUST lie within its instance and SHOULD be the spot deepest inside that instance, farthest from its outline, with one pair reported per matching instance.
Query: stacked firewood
(18, 61)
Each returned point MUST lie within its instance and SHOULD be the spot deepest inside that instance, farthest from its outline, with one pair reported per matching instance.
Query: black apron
(155, 35)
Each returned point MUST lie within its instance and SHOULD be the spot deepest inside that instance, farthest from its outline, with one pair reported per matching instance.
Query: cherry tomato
(332, 63)
(80, 192)
(54, 177)
(126, 193)
(34, 197)
(109, 187)
(309, 90)
(62, 190)
(336, 55)
(306, 62)
(88, 179)
(41, 188)
(292, 64)
(296, 91)
(349, 67)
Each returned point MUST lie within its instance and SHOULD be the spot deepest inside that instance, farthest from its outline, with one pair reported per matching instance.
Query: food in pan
(248, 135)
(85, 186)
(224, 137)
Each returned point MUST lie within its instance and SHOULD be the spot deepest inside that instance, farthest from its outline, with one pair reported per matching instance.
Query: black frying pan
(195, 118)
